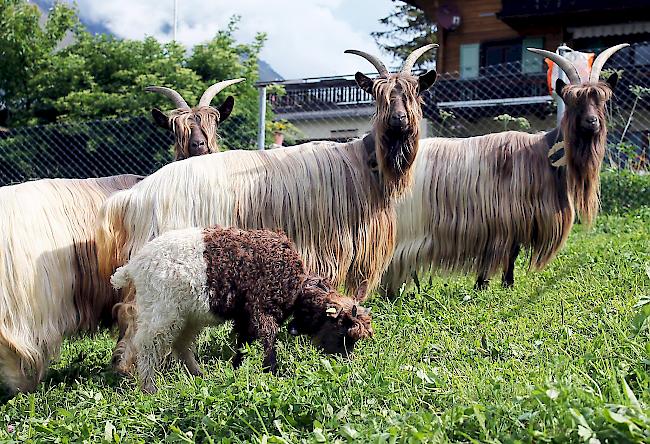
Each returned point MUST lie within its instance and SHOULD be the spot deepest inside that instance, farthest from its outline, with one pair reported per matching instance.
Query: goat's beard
(396, 149)
(585, 153)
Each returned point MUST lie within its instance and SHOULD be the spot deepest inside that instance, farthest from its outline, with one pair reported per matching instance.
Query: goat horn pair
(381, 68)
(569, 68)
(205, 100)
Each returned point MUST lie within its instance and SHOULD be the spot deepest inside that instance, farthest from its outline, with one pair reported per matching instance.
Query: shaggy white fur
(171, 298)
(49, 286)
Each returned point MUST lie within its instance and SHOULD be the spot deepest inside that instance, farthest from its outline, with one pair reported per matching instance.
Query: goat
(477, 201)
(49, 286)
(334, 200)
(195, 129)
(188, 279)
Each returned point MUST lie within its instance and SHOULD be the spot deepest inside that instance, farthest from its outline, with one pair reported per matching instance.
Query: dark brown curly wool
(256, 268)
(257, 279)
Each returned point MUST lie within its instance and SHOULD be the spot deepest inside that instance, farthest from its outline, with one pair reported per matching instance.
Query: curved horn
(601, 59)
(564, 64)
(215, 89)
(381, 68)
(414, 56)
(172, 95)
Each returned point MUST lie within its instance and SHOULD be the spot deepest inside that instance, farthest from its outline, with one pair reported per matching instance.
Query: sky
(306, 38)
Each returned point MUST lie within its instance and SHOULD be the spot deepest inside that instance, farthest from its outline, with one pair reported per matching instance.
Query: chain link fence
(501, 97)
(96, 148)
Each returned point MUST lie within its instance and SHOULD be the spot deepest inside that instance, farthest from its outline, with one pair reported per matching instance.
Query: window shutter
(531, 63)
(469, 60)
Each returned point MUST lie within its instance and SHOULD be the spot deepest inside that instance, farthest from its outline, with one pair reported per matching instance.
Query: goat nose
(198, 144)
(592, 119)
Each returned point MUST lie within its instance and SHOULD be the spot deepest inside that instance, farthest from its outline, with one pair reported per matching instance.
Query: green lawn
(564, 356)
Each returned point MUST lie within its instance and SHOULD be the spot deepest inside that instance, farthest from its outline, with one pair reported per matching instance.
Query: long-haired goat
(188, 279)
(195, 129)
(49, 281)
(477, 201)
(334, 200)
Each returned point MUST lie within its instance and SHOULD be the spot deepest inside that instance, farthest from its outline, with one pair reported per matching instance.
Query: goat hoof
(273, 370)
(508, 284)
(195, 372)
(481, 285)
(149, 389)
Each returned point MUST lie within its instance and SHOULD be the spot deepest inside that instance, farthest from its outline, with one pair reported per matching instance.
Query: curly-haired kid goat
(190, 278)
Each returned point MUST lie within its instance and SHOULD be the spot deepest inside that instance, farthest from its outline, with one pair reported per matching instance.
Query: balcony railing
(343, 96)
(316, 94)
(503, 85)
(513, 9)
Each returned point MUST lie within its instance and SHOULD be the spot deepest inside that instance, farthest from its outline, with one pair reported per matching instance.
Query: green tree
(99, 76)
(26, 48)
(407, 28)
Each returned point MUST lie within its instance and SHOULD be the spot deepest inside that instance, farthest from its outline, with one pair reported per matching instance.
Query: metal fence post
(261, 127)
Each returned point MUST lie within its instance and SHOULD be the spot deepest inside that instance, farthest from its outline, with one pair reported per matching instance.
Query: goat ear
(612, 81)
(426, 80)
(559, 86)
(160, 118)
(364, 82)
(226, 108)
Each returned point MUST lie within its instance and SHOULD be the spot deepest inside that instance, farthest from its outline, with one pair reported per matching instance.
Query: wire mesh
(501, 97)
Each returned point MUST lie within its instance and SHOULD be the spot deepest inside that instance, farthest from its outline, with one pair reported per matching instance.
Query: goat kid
(191, 278)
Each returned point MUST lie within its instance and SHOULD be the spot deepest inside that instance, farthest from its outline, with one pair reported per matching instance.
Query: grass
(562, 357)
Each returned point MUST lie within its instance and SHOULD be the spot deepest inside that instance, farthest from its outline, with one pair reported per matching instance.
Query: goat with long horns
(334, 200)
(195, 129)
(477, 201)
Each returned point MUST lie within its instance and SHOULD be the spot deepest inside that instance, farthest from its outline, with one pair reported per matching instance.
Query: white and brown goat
(188, 279)
(477, 201)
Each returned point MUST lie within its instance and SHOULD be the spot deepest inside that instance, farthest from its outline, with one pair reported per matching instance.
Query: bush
(622, 191)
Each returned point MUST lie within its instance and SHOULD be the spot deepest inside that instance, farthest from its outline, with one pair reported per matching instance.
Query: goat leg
(269, 332)
(508, 279)
(185, 348)
(243, 338)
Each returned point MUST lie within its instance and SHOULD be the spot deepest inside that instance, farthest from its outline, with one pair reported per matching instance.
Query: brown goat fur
(477, 201)
(585, 148)
(396, 145)
(187, 279)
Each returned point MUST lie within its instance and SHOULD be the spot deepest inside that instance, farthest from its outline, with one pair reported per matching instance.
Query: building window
(498, 53)
(469, 60)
